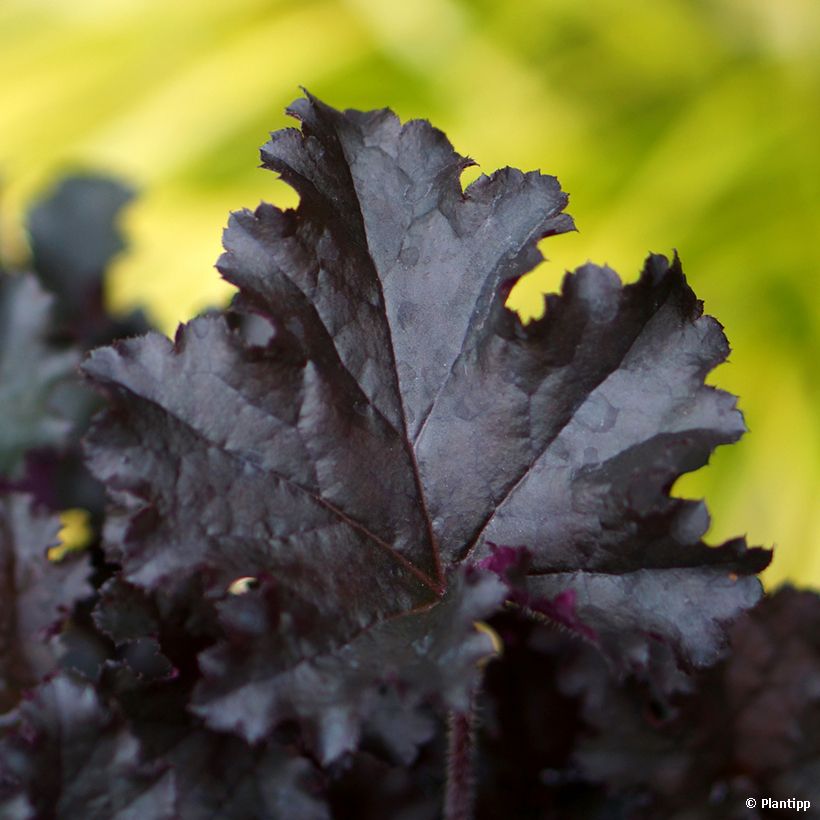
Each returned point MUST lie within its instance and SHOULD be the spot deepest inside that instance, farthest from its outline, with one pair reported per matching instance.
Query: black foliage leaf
(398, 419)
(377, 680)
(221, 776)
(367, 495)
(369, 788)
(124, 613)
(63, 754)
(750, 727)
(158, 635)
(36, 595)
(529, 726)
(215, 774)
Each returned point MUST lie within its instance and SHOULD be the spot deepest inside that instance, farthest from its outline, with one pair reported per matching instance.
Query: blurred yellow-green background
(688, 124)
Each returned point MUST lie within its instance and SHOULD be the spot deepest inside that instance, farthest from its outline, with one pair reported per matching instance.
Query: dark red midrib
(336, 511)
(439, 585)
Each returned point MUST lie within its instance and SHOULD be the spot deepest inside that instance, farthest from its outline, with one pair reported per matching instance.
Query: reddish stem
(459, 795)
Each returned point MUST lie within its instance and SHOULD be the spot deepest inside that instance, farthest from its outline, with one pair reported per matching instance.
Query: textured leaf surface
(35, 595)
(30, 369)
(214, 774)
(250, 682)
(751, 727)
(396, 420)
(64, 755)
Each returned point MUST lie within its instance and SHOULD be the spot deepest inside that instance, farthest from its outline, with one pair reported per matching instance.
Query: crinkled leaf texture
(30, 369)
(431, 655)
(751, 727)
(215, 774)
(35, 595)
(396, 420)
(64, 754)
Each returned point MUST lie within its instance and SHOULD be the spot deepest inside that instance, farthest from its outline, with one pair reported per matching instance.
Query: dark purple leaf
(158, 634)
(750, 727)
(36, 595)
(63, 754)
(125, 613)
(397, 419)
(370, 789)
(381, 676)
(215, 774)
(528, 729)
(221, 776)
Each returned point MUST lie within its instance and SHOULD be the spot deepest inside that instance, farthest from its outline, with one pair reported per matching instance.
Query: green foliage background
(688, 124)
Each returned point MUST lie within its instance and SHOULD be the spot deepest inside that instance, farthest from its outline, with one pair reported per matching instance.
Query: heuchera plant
(373, 547)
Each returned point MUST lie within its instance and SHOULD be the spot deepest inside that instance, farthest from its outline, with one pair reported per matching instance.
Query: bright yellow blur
(75, 533)
(673, 124)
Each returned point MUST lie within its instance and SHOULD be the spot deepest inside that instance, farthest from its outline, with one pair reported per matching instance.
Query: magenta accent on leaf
(503, 558)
